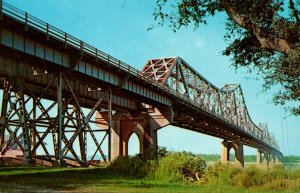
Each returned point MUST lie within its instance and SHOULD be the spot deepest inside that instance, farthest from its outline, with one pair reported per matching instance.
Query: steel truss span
(227, 104)
(66, 102)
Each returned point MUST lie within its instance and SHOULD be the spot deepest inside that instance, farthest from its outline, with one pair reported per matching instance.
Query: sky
(119, 28)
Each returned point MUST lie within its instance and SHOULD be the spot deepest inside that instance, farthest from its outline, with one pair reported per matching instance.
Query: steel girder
(227, 103)
(51, 130)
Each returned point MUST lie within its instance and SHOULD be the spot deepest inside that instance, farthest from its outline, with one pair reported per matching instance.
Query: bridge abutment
(239, 152)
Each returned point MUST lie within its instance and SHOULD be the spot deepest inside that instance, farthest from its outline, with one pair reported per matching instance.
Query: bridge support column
(146, 132)
(272, 159)
(224, 152)
(144, 125)
(258, 157)
(17, 135)
(239, 155)
(5, 101)
(239, 152)
(59, 151)
(277, 159)
(24, 119)
(268, 159)
(27, 160)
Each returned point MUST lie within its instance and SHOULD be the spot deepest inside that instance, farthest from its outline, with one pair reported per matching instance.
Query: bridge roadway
(59, 90)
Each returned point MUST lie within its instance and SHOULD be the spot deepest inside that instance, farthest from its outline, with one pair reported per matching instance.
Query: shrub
(275, 178)
(278, 172)
(277, 184)
(294, 174)
(162, 152)
(227, 174)
(243, 180)
(177, 166)
(257, 175)
(222, 174)
(131, 165)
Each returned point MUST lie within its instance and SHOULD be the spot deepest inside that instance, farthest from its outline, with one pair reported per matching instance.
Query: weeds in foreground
(173, 172)
(186, 167)
(276, 178)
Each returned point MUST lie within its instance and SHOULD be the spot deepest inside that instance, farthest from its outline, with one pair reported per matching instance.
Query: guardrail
(69, 40)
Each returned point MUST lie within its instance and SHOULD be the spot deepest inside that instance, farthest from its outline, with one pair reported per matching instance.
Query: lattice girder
(159, 69)
(227, 102)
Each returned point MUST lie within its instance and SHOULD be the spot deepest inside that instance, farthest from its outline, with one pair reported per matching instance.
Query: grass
(175, 172)
(22, 179)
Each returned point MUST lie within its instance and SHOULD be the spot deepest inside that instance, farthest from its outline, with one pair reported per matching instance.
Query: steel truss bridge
(63, 98)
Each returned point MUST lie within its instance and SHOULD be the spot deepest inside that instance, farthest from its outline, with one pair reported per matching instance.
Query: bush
(162, 152)
(183, 166)
(257, 176)
(131, 165)
(278, 172)
(294, 174)
(275, 178)
(170, 167)
(177, 166)
(227, 174)
(243, 180)
(221, 174)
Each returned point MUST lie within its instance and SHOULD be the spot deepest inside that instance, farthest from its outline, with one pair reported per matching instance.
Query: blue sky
(119, 28)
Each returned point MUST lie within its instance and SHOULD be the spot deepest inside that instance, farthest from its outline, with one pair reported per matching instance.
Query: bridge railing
(69, 40)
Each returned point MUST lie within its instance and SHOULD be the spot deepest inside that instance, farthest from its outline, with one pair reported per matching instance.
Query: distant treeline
(248, 158)
(292, 159)
(217, 157)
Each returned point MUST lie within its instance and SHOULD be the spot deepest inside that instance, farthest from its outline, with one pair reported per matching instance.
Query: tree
(264, 36)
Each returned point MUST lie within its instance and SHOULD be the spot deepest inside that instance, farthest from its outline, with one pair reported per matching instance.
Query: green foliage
(294, 174)
(291, 159)
(217, 157)
(250, 158)
(178, 166)
(135, 166)
(171, 166)
(187, 11)
(211, 157)
(263, 36)
(276, 178)
(221, 174)
(216, 178)
(162, 152)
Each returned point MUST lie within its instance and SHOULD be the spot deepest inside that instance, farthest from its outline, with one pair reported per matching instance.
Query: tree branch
(294, 11)
(266, 42)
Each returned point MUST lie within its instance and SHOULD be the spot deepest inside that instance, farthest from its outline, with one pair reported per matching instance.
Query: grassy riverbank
(173, 172)
(233, 180)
